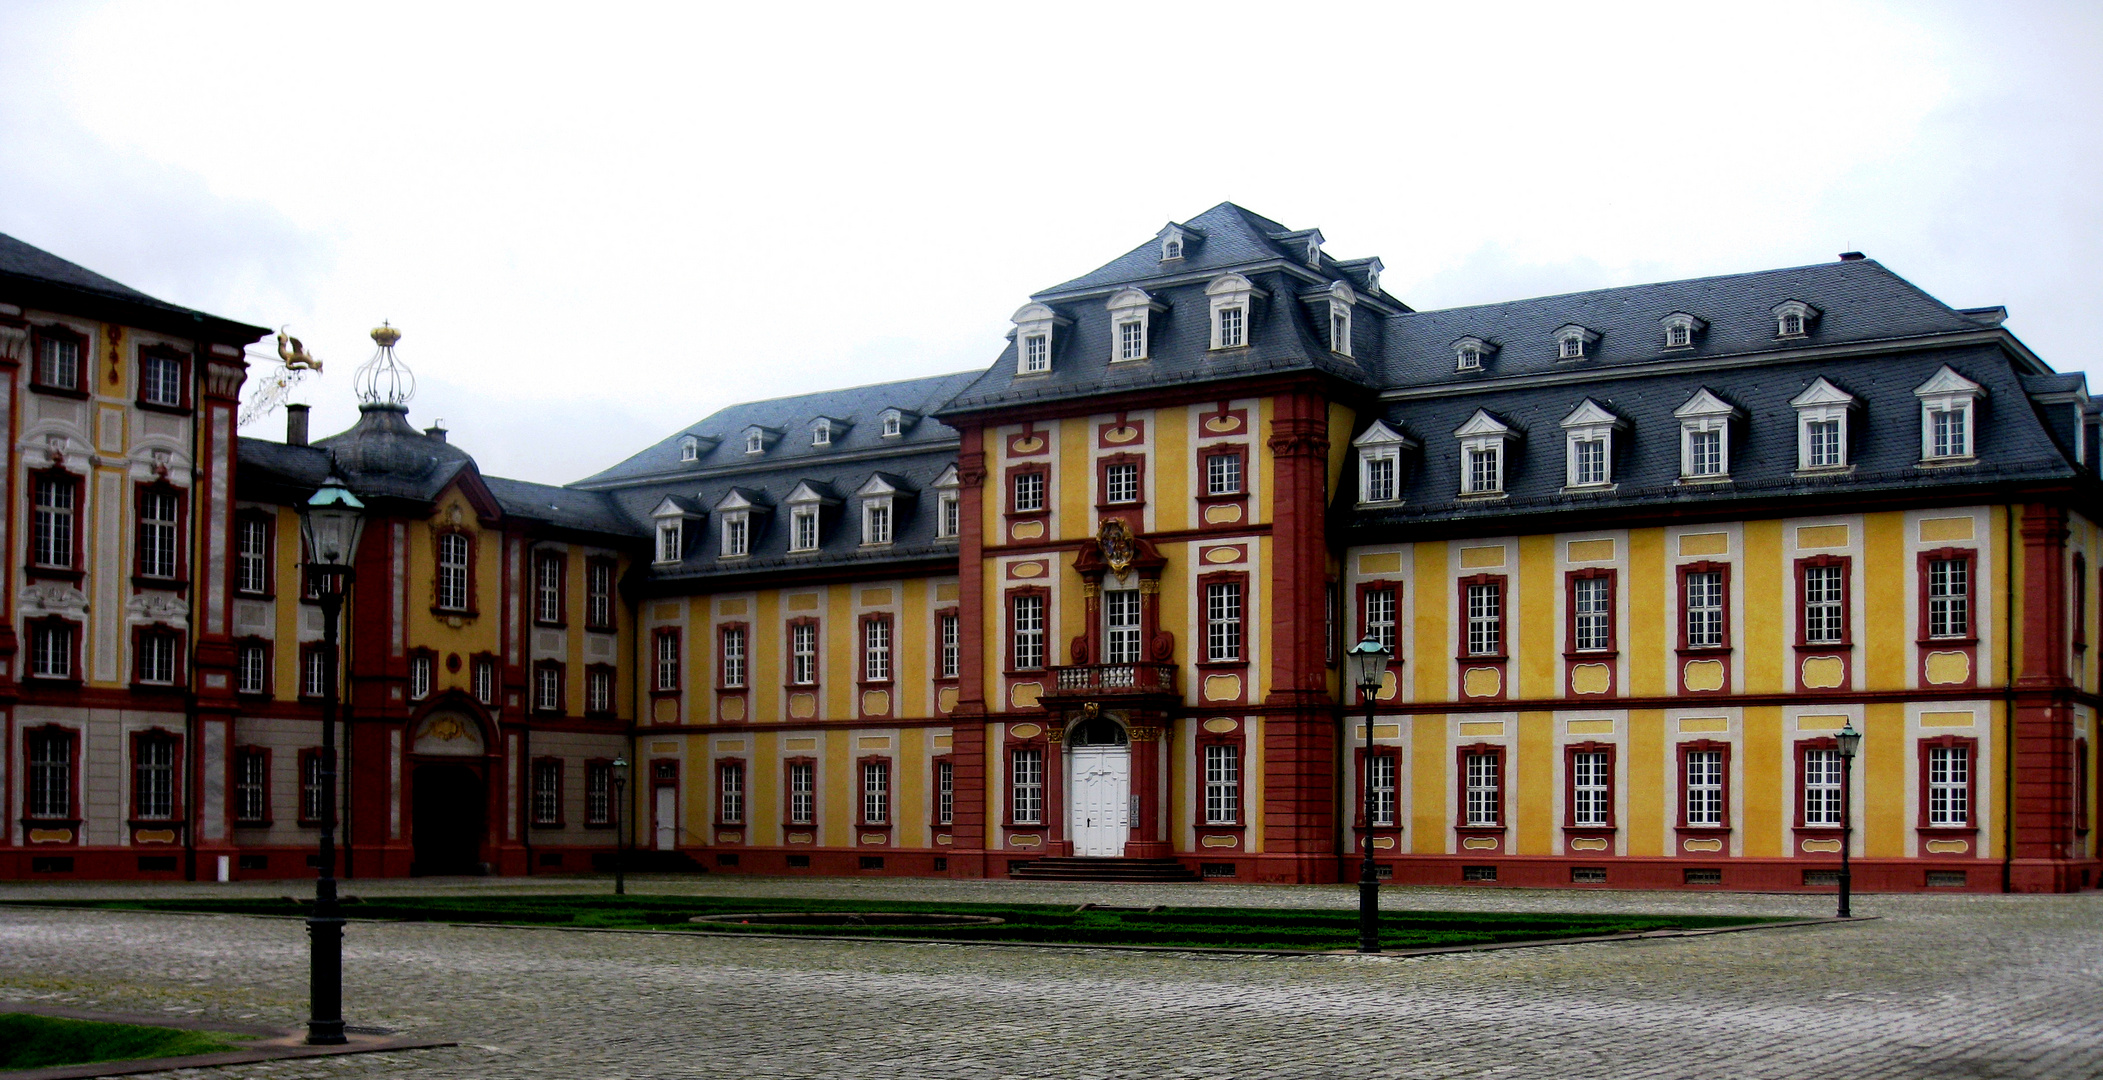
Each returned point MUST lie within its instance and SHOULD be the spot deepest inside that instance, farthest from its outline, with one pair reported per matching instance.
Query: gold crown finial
(386, 335)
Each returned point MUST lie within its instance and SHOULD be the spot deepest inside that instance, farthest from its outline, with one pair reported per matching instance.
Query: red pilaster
(2043, 744)
(1299, 781)
(968, 734)
(210, 762)
(1149, 839)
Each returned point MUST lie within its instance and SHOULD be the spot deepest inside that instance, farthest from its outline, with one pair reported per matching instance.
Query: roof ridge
(1670, 282)
(974, 372)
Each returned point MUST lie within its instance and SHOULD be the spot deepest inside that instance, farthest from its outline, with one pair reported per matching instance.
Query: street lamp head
(331, 522)
(1849, 739)
(1368, 664)
(620, 768)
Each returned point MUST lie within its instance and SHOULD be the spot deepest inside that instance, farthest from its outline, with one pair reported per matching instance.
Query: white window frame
(252, 668)
(1705, 414)
(1121, 482)
(1026, 785)
(821, 432)
(1483, 433)
(1224, 602)
(803, 654)
(733, 645)
(737, 534)
(252, 544)
(1223, 470)
(1484, 790)
(1948, 396)
(1131, 331)
(454, 575)
(730, 792)
(1703, 783)
(1383, 784)
(1825, 606)
(1574, 342)
(1681, 329)
(421, 668)
(1592, 614)
(1702, 602)
(1026, 616)
(1222, 784)
(876, 650)
(1823, 769)
(803, 528)
(1380, 449)
(1231, 292)
(948, 634)
(1035, 325)
(1121, 626)
(1592, 788)
(1036, 354)
(689, 449)
(1822, 403)
(670, 544)
(1380, 604)
(949, 518)
(893, 424)
(160, 378)
(1793, 319)
(877, 521)
(665, 676)
(876, 792)
(1949, 786)
(1342, 300)
(803, 793)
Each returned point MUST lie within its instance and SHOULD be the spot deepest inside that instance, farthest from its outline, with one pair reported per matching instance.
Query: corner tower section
(1146, 587)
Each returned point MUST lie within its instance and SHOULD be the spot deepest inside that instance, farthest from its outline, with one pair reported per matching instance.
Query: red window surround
(788, 791)
(242, 755)
(939, 615)
(1613, 785)
(1102, 481)
(723, 765)
(1360, 758)
(723, 682)
(83, 353)
(1702, 567)
(1971, 784)
(861, 793)
(664, 678)
(534, 803)
(179, 670)
(1365, 591)
(789, 654)
(562, 690)
(1680, 787)
(612, 704)
(1050, 805)
(1847, 601)
(934, 789)
(601, 615)
(1240, 453)
(1049, 658)
(60, 624)
(182, 360)
(308, 761)
(1613, 613)
(1460, 817)
(593, 817)
(1504, 608)
(1049, 492)
(180, 579)
(1202, 649)
(72, 570)
(1970, 558)
(36, 736)
(1796, 813)
(308, 650)
(862, 647)
(550, 568)
(242, 519)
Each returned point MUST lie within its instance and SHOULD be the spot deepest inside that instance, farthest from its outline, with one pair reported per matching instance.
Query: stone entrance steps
(1061, 868)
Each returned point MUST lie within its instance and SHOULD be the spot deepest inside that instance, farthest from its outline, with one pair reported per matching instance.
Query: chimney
(436, 432)
(295, 425)
(1851, 256)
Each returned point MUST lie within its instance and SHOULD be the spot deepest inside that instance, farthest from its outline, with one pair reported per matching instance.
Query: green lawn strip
(36, 1042)
(1246, 928)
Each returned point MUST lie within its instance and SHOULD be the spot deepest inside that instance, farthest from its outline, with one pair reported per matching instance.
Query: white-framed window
(1231, 327)
(1702, 452)
(1222, 785)
(1592, 614)
(893, 424)
(153, 776)
(1026, 625)
(50, 774)
(1339, 328)
(876, 521)
(1034, 326)
(733, 657)
(1704, 787)
(1678, 337)
(1822, 774)
(1949, 785)
(547, 688)
(670, 548)
(598, 793)
(598, 592)
(1380, 481)
(252, 668)
(484, 676)
(161, 378)
(1485, 618)
(1223, 622)
(1704, 612)
(547, 791)
(598, 690)
(548, 567)
(1825, 605)
(876, 650)
(821, 432)
(58, 362)
(54, 526)
(1036, 353)
(1121, 626)
(1574, 342)
(1380, 784)
(1485, 469)
(1793, 318)
(1591, 788)
(667, 661)
(689, 449)
(1822, 418)
(1949, 598)
(876, 792)
(51, 650)
(1589, 439)
(730, 793)
(1485, 790)
(803, 528)
(160, 530)
(420, 670)
(948, 516)
(1588, 459)
(1223, 473)
(1131, 311)
(313, 671)
(945, 793)
(1026, 785)
(1121, 482)
(1681, 329)
(1230, 299)
(803, 654)
(755, 442)
(1471, 353)
(1380, 617)
(1705, 436)
(1482, 443)
(251, 787)
(157, 657)
(737, 534)
(803, 792)
(252, 540)
(453, 551)
(1947, 411)
(1029, 492)
(1380, 451)
(947, 632)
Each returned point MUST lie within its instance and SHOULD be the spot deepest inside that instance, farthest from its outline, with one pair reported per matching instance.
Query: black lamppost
(620, 834)
(1369, 669)
(1849, 741)
(330, 523)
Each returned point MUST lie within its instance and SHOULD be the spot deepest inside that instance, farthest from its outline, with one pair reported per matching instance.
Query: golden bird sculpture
(294, 354)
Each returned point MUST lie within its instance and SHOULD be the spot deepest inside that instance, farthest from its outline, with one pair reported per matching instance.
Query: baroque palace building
(1639, 554)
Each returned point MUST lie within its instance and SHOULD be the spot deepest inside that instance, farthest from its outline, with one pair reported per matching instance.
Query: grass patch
(36, 1042)
(1200, 927)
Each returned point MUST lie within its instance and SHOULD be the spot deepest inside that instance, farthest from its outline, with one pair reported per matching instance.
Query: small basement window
(1703, 876)
(1478, 873)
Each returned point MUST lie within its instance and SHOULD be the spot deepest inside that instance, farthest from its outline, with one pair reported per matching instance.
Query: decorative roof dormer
(1794, 319)
(1306, 243)
(885, 500)
(1682, 329)
(1705, 437)
(1823, 415)
(826, 430)
(1036, 326)
(1948, 416)
(949, 521)
(1484, 442)
(736, 512)
(693, 447)
(1380, 451)
(1472, 353)
(759, 438)
(670, 518)
(1232, 299)
(1574, 342)
(1131, 312)
(1366, 271)
(896, 421)
(1178, 241)
(1342, 300)
(1589, 442)
(807, 506)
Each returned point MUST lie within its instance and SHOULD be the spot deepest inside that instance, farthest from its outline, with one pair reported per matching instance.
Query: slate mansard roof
(35, 277)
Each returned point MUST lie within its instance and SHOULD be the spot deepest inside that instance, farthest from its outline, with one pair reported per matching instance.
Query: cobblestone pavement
(1938, 986)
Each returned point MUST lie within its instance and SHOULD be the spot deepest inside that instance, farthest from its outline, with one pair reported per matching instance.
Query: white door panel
(1100, 784)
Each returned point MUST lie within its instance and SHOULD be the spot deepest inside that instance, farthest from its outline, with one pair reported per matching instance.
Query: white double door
(1099, 799)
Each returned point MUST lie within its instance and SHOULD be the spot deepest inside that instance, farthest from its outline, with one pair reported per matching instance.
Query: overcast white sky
(595, 224)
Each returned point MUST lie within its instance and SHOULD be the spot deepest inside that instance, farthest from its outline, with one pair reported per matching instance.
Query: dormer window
(689, 449)
(949, 518)
(1307, 242)
(821, 432)
(669, 536)
(1793, 319)
(1172, 248)
(1947, 416)
(893, 423)
(1380, 451)
(1589, 435)
(1470, 353)
(1342, 299)
(876, 521)
(881, 497)
(1483, 440)
(1177, 240)
(737, 534)
(1681, 329)
(1705, 437)
(1574, 342)
(1130, 311)
(1822, 416)
(755, 443)
(1034, 327)
(803, 528)
(1231, 298)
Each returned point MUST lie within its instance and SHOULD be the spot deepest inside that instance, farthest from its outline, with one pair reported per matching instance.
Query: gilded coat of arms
(1115, 540)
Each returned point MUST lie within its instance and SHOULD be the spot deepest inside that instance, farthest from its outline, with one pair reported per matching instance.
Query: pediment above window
(1482, 424)
(743, 499)
(1471, 353)
(1947, 383)
(1590, 414)
(1125, 300)
(883, 484)
(948, 479)
(1705, 404)
(1822, 392)
(1381, 435)
(810, 492)
(672, 506)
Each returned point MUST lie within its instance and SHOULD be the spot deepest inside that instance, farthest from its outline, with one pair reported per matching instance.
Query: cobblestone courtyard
(1937, 986)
